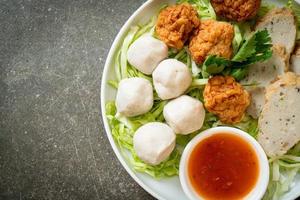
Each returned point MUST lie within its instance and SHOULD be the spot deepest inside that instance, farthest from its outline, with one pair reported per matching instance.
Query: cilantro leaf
(256, 48)
(214, 65)
(263, 46)
(247, 50)
(239, 73)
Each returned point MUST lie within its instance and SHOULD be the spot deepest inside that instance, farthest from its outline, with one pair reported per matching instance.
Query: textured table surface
(52, 141)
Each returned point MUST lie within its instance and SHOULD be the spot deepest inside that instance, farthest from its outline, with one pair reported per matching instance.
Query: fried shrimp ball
(176, 23)
(212, 38)
(237, 10)
(226, 98)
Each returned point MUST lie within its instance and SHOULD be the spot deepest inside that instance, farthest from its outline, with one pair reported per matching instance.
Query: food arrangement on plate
(209, 90)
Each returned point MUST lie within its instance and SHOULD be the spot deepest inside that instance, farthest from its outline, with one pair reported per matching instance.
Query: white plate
(165, 189)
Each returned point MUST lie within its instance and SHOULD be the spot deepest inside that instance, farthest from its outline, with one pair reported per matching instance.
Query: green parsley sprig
(256, 48)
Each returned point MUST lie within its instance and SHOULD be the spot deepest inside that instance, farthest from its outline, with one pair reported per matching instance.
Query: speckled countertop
(52, 141)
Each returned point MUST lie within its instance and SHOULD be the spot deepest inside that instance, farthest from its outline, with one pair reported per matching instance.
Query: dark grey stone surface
(52, 142)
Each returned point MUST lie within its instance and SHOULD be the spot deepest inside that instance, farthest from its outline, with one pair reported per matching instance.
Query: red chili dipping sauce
(223, 166)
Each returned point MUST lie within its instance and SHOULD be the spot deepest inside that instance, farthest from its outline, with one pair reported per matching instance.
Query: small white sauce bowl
(263, 177)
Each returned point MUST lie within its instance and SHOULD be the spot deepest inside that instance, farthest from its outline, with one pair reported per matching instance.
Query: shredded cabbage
(123, 130)
(238, 38)
(203, 7)
(247, 124)
(122, 127)
(283, 170)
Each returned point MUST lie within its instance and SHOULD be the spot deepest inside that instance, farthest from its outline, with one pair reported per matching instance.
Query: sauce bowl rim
(263, 176)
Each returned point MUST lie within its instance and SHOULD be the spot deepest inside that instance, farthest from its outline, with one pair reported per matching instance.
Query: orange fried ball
(212, 38)
(237, 10)
(226, 98)
(176, 23)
